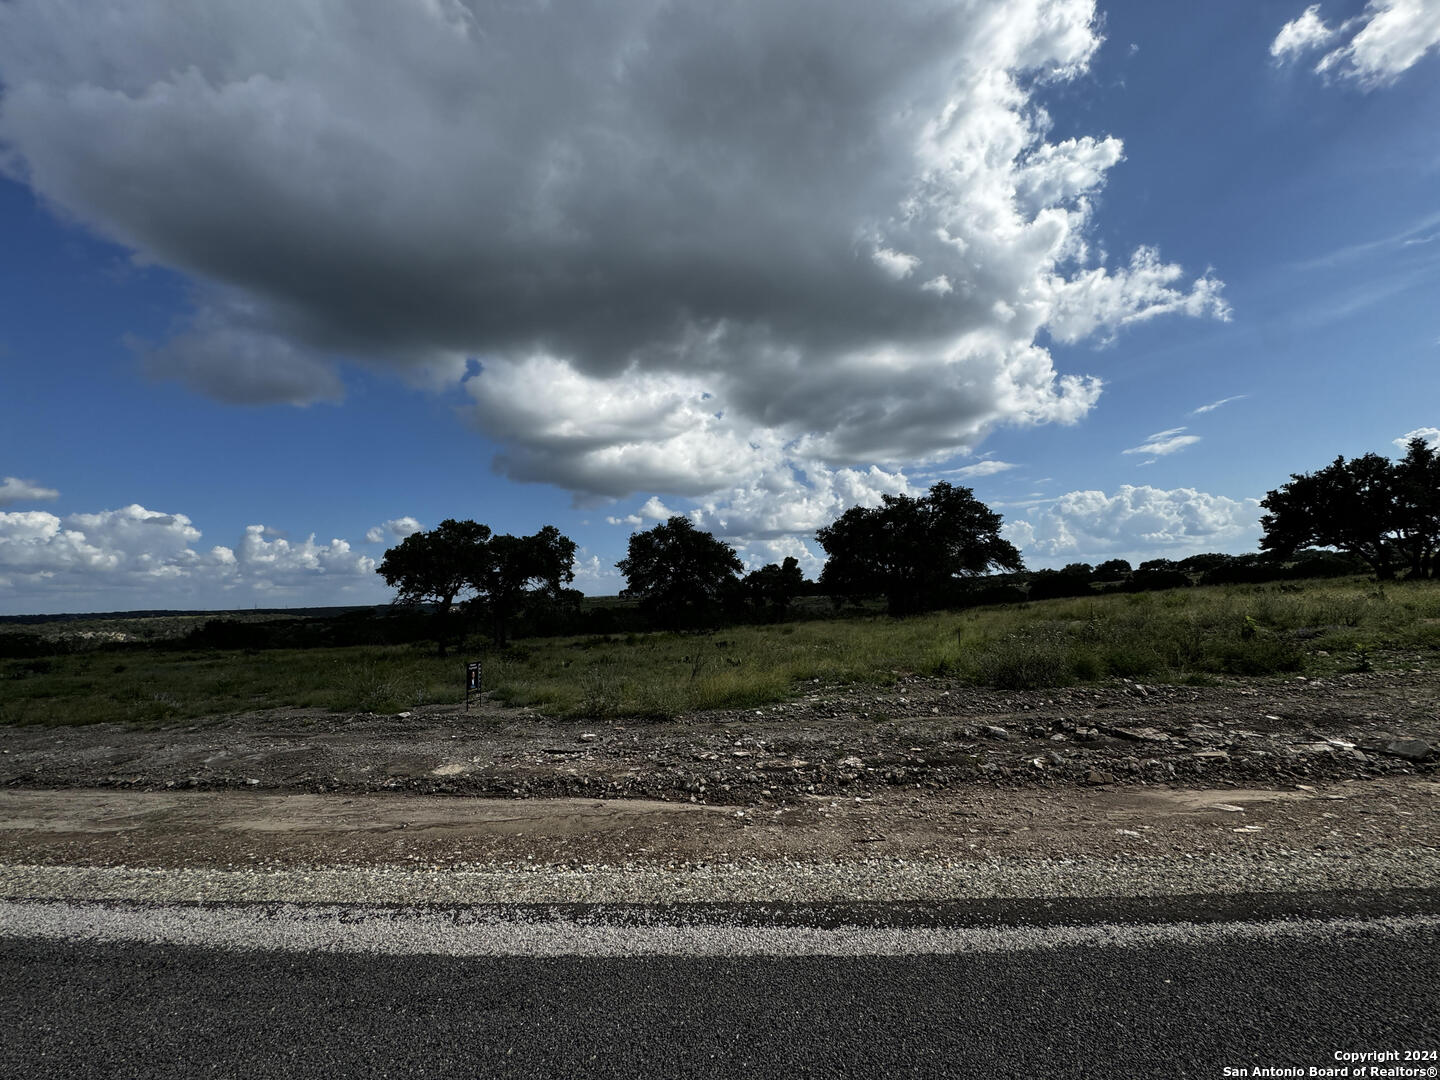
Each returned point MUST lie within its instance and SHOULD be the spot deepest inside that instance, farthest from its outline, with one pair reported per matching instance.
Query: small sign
(473, 679)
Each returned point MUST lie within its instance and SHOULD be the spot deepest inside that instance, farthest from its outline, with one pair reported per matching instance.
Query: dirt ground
(230, 829)
(922, 737)
(926, 769)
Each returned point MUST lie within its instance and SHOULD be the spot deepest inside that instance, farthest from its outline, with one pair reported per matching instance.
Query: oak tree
(435, 567)
(914, 550)
(1385, 513)
(680, 574)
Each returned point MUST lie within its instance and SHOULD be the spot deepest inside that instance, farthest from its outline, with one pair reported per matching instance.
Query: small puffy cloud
(595, 577)
(652, 510)
(655, 510)
(135, 557)
(1429, 434)
(1144, 522)
(1378, 46)
(1164, 442)
(14, 490)
(394, 529)
(1301, 34)
(1217, 404)
(839, 241)
(896, 264)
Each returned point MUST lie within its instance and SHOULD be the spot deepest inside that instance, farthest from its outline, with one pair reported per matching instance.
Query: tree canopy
(503, 573)
(520, 571)
(679, 573)
(433, 567)
(1386, 513)
(771, 588)
(912, 550)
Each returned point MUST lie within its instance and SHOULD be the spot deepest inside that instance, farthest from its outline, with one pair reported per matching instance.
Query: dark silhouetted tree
(913, 550)
(436, 566)
(771, 588)
(504, 574)
(1417, 495)
(1203, 562)
(1113, 570)
(1073, 580)
(1154, 574)
(520, 572)
(680, 574)
(1382, 512)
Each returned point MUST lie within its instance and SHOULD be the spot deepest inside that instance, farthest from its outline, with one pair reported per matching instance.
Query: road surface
(1102, 987)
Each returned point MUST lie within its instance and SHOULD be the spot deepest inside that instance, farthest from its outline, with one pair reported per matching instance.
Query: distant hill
(163, 613)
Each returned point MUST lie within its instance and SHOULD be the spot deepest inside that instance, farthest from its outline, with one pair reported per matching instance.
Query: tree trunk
(442, 628)
(1384, 565)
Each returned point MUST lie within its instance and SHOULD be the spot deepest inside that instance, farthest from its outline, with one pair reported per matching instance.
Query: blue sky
(281, 284)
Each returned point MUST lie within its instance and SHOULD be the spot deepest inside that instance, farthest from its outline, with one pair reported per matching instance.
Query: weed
(600, 689)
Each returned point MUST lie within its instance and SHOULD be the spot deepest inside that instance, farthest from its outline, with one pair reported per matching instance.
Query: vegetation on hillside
(1192, 635)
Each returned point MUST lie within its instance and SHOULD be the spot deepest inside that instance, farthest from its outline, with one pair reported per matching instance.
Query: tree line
(940, 549)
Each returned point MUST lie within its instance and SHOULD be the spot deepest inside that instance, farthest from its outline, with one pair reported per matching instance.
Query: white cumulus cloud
(1379, 45)
(694, 247)
(275, 562)
(393, 530)
(1429, 434)
(134, 557)
(1141, 522)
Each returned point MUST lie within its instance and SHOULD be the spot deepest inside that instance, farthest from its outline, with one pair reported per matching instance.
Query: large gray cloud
(693, 245)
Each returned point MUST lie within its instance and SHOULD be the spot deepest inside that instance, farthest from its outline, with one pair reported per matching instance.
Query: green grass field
(1189, 635)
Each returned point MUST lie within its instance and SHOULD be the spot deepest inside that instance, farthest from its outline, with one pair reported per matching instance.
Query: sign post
(473, 679)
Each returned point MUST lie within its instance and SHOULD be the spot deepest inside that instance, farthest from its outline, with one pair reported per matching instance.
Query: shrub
(1024, 662)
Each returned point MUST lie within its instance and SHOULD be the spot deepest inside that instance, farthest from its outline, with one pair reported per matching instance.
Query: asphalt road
(1186, 1005)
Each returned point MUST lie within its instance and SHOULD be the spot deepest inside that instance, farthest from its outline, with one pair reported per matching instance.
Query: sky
(283, 281)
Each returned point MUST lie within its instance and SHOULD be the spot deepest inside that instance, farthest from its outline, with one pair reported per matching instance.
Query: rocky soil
(921, 736)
